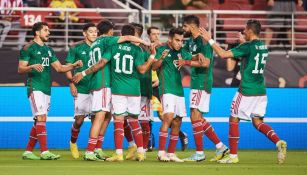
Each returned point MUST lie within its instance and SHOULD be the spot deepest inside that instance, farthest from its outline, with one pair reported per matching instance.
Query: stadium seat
(300, 27)
(202, 17)
(232, 21)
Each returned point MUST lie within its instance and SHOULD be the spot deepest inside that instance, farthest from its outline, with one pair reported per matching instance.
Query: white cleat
(173, 158)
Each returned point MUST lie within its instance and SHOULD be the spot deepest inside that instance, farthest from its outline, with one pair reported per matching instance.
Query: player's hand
(146, 43)
(271, 3)
(78, 64)
(155, 83)
(241, 38)
(203, 61)
(73, 90)
(153, 49)
(205, 34)
(179, 63)
(164, 54)
(77, 77)
(37, 67)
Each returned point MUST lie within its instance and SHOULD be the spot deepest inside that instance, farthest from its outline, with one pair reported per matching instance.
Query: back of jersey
(252, 69)
(125, 58)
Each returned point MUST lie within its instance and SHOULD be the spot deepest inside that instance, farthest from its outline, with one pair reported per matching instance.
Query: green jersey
(169, 75)
(80, 51)
(33, 53)
(125, 58)
(254, 56)
(146, 79)
(102, 77)
(201, 78)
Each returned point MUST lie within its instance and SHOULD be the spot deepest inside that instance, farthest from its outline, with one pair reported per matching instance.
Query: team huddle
(112, 77)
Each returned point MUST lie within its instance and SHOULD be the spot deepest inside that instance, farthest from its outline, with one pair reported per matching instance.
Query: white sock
(119, 151)
(160, 153)
(219, 145)
(140, 150)
(130, 144)
(28, 151)
(233, 155)
(199, 152)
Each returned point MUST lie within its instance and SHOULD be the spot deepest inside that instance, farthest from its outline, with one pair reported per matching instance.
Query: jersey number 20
(124, 69)
(259, 67)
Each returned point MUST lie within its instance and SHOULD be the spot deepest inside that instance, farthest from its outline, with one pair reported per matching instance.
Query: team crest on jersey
(49, 53)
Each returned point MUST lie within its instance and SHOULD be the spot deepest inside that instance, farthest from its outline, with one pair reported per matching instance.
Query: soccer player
(154, 37)
(80, 91)
(171, 91)
(146, 114)
(35, 60)
(250, 101)
(125, 84)
(101, 88)
(201, 85)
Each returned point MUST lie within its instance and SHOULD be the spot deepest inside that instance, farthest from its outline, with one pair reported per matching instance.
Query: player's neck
(88, 42)
(38, 41)
(195, 34)
(254, 38)
(169, 45)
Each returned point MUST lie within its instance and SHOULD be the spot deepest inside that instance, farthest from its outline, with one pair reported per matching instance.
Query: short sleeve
(71, 56)
(107, 54)
(112, 40)
(52, 56)
(24, 55)
(186, 55)
(139, 58)
(241, 51)
(207, 51)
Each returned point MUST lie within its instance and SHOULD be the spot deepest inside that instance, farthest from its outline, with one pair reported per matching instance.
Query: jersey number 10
(260, 67)
(124, 69)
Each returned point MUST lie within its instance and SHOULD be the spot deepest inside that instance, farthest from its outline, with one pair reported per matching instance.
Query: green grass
(260, 162)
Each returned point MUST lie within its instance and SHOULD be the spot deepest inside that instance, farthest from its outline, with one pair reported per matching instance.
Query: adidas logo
(83, 53)
(38, 53)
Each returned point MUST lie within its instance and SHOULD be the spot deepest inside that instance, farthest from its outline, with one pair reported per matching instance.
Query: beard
(44, 39)
(187, 34)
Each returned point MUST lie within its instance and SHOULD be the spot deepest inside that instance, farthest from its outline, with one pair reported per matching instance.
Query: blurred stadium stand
(224, 18)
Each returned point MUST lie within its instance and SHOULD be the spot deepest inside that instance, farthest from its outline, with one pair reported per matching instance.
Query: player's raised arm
(133, 39)
(65, 68)
(78, 76)
(158, 62)
(144, 67)
(220, 52)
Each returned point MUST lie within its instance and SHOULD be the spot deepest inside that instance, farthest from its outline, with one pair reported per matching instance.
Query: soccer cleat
(228, 160)
(47, 155)
(140, 157)
(196, 158)
(173, 158)
(74, 150)
(90, 156)
(116, 158)
(184, 140)
(220, 153)
(100, 154)
(131, 152)
(282, 151)
(163, 158)
(29, 156)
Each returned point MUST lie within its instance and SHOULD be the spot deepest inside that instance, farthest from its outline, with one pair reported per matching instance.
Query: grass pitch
(256, 162)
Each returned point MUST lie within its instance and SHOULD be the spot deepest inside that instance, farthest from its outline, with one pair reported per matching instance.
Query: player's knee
(41, 118)
(233, 119)
(257, 121)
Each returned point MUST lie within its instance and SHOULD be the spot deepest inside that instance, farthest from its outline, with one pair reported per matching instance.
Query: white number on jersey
(124, 68)
(95, 56)
(259, 67)
(45, 61)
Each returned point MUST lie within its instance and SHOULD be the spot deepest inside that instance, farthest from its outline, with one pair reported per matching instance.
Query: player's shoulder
(163, 46)
(27, 46)
(76, 44)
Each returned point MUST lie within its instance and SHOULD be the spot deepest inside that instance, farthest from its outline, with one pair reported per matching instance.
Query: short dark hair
(254, 25)
(128, 30)
(104, 27)
(150, 28)
(191, 19)
(87, 26)
(174, 30)
(38, 26)
(138, 28)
